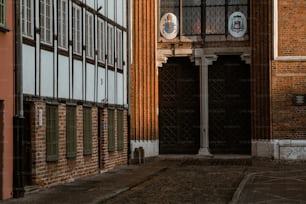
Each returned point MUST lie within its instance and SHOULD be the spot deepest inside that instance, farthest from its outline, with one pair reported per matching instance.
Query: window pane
(215, 2)
(70, 131)
(192, 20)
(215, 20)
(170, 6)
(235, 2)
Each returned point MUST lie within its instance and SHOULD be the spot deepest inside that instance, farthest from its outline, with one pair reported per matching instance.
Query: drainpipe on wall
(129, 61)
(18, 181)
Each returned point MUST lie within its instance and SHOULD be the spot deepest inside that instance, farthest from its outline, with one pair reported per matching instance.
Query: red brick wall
(115, 158)
(288, 121)
(52, 173)
(291, 27)
(289, 77)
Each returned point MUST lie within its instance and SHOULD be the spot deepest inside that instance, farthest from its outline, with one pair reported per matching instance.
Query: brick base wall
(288, 120)
(115, 158)
(51, 173)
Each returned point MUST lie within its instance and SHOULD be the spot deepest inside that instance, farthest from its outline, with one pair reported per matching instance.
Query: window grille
(101, 40)
(119, 48)
(52, 132)
(27, 18)
(46, 21)
(70, 131)
(89, 34)
(87, 131)
(76, 29)
(110, 44)
(208, 18)
(62, 16)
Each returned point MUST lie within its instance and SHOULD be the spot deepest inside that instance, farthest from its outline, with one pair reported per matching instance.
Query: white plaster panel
(90, 82)
(101, 84)
(90, 3)
(47, 76)
(101, 3)
(125, 17)
(120, 88)
(111, 9)
(63, 77)
(77, 79)
(111, 87)
(151, 147)
(28, 63)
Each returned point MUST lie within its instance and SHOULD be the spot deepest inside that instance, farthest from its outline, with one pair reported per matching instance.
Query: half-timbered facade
(228, 78)
(74, 65)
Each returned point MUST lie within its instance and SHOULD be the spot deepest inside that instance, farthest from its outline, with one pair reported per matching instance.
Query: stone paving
(194, 179)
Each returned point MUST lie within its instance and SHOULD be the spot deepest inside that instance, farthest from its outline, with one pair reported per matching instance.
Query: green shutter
(120, 130)
(87, 131)
(52, 133)
(111, 130)
(70, 131)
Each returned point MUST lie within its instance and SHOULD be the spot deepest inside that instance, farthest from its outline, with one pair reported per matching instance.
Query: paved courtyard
(184, 179)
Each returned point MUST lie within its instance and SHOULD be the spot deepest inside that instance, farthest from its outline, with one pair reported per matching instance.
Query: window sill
(4, 29)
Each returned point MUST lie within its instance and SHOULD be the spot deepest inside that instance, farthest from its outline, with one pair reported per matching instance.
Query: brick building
(6, 97)
(73, 57)
(218, 77)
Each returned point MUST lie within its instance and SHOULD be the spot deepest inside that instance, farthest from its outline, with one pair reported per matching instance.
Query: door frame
(203, 57)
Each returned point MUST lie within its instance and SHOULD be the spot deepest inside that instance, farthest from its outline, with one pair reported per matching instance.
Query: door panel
(179, 112)
(229, 106)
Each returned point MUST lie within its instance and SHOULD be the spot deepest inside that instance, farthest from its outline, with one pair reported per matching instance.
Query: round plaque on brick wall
(169, 26)
(237, 24)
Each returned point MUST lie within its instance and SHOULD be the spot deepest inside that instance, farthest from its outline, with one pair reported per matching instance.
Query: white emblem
(237, 24)
(169, 26)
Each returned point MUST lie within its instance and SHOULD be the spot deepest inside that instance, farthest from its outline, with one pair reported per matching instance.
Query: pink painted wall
(7, 96)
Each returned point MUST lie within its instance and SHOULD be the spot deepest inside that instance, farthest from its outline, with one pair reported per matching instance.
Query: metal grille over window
(89, 32)
(192, 17)
(76, 29)
(207, 18)
(52, 132)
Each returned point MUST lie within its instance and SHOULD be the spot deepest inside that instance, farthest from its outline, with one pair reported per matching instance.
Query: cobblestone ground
(186, 184)
(196, 182)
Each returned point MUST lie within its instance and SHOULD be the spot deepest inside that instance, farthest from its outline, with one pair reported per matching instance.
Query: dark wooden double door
(179, 107)
(229, 106)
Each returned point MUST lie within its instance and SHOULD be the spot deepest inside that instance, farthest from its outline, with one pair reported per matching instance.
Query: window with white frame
(101, 40)
(2, 13)
(46, 21)
(110, 45)
(76, 29)
(89, 35)
(62, 17)
(27, 18)
(119, 48)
